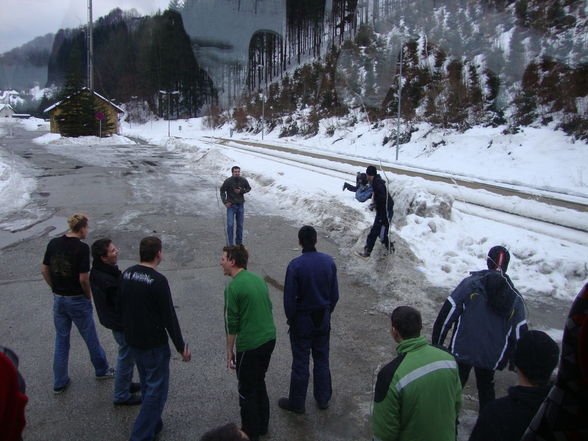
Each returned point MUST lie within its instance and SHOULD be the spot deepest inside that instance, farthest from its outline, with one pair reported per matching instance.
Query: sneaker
(364, 254)
(284, 403)
(108, 375)
(132, 401)
(60, 390)
(134, 388)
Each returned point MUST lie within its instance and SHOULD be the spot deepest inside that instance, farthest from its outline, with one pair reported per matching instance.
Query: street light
(169, 93)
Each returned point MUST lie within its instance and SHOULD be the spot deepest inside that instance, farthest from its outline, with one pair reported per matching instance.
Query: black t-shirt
(67, 258)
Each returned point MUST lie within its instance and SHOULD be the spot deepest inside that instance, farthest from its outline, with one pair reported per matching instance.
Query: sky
(23, 20)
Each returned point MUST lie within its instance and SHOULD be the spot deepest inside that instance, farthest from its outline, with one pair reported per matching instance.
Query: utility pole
(90, 52)
(399, 100)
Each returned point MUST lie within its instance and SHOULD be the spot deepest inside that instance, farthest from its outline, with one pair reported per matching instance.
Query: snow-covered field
(448, 238)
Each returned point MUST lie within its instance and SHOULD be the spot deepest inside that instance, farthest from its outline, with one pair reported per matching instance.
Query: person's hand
(231, 360)
(186, 354)
(228, 204)
(237, 190)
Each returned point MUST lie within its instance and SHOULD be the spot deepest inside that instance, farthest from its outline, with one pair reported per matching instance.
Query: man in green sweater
(418, 394)
(249, 326)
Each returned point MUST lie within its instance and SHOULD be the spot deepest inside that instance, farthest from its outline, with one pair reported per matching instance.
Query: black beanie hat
(371, 170)
(536, 356)
(498, 258)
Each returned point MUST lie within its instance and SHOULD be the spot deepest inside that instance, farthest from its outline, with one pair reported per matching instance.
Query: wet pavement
(144, 190)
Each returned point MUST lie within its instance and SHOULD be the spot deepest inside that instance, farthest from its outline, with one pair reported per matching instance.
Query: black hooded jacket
(104, 280)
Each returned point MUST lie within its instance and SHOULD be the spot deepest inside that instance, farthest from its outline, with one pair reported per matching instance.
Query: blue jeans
(235, 211)
(79, 311)
(124, 369)
(153, 367)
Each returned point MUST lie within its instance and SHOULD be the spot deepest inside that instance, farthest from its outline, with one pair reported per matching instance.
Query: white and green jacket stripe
(418, 395)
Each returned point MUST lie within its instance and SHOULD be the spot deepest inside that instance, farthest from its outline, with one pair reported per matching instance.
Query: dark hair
(307, 236)
(228, 432)
(407, 321)
(239, 254)
(371, 171)
(498, 258)
(100, 248)
(235, 167)
(148, 248)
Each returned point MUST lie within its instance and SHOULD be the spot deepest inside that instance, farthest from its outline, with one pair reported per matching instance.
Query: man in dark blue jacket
(384, 211)
(489, 317)
(311, 292)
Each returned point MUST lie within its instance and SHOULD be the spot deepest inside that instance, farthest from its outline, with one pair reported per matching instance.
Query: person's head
(406, 323)
(498, 258)
(78, 224)
(228, 432)
(234, 259)
(362, 179)
(371, 172)
(307, 236)
(536, 356)
(236, 170)
(104, 250)
(150, 249)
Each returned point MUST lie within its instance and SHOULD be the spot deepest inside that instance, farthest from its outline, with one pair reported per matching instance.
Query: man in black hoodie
(506, 419)
(488, 317)
(384, 211)
(104, 280)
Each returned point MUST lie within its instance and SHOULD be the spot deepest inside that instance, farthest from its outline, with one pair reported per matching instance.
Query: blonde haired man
(65, 268)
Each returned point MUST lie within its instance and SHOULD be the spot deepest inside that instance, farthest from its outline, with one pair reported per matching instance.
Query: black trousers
(484, 382)
(253, 400)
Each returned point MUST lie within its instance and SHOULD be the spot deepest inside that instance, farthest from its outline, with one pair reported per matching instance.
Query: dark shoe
(134, 388)
(132, 401)
(108, 375)
(322, 406)
(345, 186)
(364, 254)
(60, 390)
(284, 403)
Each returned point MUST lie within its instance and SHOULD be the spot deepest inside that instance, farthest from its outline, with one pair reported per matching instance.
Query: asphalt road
(136, 191)
(148, 192)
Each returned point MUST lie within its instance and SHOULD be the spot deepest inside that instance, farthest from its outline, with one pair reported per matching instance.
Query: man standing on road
(418, 394)
(232, 194)
(249, 325)
(489, 317)
(148, 317)
(384, 211)
(105, 279)
(65, 268)
(311, 293)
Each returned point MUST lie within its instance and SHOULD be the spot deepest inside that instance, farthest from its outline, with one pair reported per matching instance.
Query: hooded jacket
(104, 280)
(488, 317)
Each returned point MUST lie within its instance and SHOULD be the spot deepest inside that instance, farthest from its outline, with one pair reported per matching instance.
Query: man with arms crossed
(249, 326)
(418, 394)
(66, 268)
(148, 317)
(311, 292)
(105, 279)
(232, 194)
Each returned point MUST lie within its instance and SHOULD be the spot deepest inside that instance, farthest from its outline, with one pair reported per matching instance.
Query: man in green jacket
(249, 326)
(418, 394)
